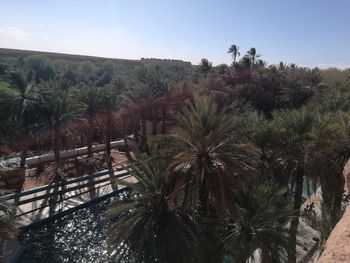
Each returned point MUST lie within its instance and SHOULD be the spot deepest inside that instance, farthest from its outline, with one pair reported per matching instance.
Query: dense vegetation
(221, 170)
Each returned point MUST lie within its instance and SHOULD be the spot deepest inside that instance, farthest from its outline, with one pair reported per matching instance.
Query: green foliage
(7, 226)
(206, 149)
(55, 105)
(41, 66)
(85, 100)
(250, 131)
(86, 71)
(148, 227)
(255, 221)
(20, 102)
(205, 66)
(234, 51)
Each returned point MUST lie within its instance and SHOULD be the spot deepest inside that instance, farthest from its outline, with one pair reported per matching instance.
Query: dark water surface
(79, 237)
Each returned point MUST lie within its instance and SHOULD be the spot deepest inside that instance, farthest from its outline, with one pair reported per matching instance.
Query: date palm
(297, 126)
(208, 155)
(254, 222)
(330, 151)
(148, 227)
(136, 96)
(56, 112)
(253, 55)
(20, 103)
(110, 100)
(267, 136)
(85, 101)
(316, 147)
(234, 51)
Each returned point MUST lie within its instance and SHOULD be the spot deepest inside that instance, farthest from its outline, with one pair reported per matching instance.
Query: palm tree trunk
(23, 157)
(136, 132)
(298, 193)
(54, 199)
(143, 127)
(90, 136)
(108, 150)
(90, 165)
(108, 135)
(56, 147)
(155, 123)
(163, 131)
(125, 136)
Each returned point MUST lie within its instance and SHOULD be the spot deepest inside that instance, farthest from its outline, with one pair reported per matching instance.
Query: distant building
(166, 62)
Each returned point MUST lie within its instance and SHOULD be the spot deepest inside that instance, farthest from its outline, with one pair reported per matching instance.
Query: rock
(337, 248)
(346, 173)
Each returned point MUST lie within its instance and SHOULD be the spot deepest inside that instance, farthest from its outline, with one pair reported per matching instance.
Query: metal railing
(58, 193)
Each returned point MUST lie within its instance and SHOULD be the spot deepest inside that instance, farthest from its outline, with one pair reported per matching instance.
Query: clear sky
(305, 32)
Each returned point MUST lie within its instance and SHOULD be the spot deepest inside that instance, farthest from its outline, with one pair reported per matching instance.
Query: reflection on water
(79, 237)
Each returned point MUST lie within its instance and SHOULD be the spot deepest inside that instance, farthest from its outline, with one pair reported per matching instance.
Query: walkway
(34, 204)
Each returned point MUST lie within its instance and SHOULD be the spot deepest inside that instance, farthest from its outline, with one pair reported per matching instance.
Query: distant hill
(6, 53)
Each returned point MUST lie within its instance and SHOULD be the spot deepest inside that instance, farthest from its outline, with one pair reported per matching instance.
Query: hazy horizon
(308, 33)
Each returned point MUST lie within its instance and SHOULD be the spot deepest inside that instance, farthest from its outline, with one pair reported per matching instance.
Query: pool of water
(79, 237)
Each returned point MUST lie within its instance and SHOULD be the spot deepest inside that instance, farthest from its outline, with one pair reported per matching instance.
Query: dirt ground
(73, 167)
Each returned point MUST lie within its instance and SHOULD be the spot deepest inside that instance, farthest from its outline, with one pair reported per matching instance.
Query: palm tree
(85, 101)
(109, 102)
(254, 222)
(297, 127)
(205, 66)
(135, 97)
(315, 77)
(251, 53)
(267, 136)
(208, 155)
(235, 53)
(330, 146)
(315, 147)
(146, 85)
(149, 227)
(21, 104)
(56, 111)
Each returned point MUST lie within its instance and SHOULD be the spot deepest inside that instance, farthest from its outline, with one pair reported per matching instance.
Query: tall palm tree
(149, 227)
(21, 104)
(56, 111)
(254, 222)
(205, 66)
(208, 155)
(251, 53)
(317, 148)
(234, 51)
(110, 100)
(267, 137)
(297, 127)
(85, 101)
(330, 151)
(135, 96)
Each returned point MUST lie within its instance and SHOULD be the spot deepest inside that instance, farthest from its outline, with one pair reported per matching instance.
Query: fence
(39, 203)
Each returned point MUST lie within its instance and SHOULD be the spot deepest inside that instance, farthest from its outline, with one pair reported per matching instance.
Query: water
(79, 237)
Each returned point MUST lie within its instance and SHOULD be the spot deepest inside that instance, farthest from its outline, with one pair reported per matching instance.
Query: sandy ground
(72, 167)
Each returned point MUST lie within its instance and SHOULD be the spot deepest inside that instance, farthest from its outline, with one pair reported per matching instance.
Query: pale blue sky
(306, 32)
